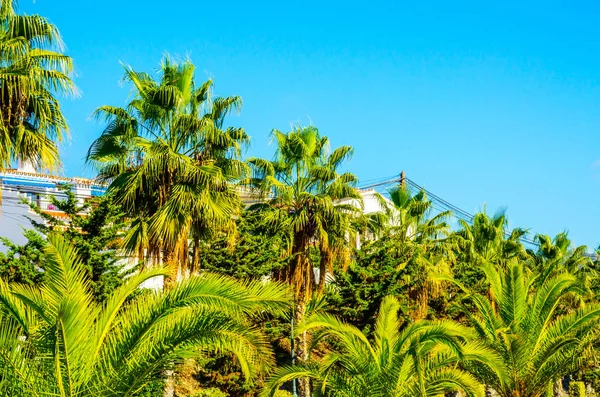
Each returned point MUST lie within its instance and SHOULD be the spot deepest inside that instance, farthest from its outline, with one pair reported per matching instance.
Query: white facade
(23, 184)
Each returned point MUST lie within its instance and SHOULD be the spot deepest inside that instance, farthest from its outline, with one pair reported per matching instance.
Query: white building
(24, 183)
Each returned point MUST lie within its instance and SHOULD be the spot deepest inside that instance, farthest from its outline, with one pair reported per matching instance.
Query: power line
(439, 203)
(469, 217)
(377, 180)
(431, 195)
(378, 184)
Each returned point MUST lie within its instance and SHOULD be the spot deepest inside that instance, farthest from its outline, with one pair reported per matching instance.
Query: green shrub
(152, 389)
(282, 393)
(577, 389)
(210, 392)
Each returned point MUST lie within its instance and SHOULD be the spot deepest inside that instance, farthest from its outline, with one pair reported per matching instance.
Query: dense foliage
(393, 303)
(55, 339)
(255, 251)
(23, 263)
(94, 227)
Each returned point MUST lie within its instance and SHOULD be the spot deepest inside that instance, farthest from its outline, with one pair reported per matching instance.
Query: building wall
(13, 218)
(17, 185)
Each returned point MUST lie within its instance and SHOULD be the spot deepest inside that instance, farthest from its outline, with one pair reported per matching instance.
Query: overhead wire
(438, 203)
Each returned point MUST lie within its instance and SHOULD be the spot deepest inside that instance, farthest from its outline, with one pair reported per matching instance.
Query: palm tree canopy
(522, 320)
(56, 340)
(171, 162)
(307, 198)
(33, 70)
(410, 216)
(556, 255)
(419, 360)
(488, 238)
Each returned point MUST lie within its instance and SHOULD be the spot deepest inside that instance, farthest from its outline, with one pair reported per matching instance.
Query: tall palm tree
(171, 162)
(524, 325)
(33, 70)
(555, 255)
(56, 340)
(421, 360)
(308, 199)
(487, 238)
(309, 202)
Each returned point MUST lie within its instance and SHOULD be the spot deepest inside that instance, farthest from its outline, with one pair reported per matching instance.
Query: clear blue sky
(483, 104)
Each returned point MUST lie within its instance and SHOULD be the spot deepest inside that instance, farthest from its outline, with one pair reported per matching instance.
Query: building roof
(31, 179)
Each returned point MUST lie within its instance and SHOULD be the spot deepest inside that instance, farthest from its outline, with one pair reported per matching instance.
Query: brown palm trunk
(168, 260)
(196, 256)
(324, 267)
(301, 348)
(169, 389)
(301, 277)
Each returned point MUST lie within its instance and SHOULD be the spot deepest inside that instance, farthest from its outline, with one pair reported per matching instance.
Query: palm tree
(484, 239)
(410, 216)
(424, 238)
(487, 238)
(422, 360)
(33, 70)
(56, 340)
(310, 203)
(521, 321)
(555, 255)
(308, 199)
(171, 162)
(305, 199)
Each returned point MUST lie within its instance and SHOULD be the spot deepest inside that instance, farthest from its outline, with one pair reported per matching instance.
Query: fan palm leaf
(33, 70)
(170, 162)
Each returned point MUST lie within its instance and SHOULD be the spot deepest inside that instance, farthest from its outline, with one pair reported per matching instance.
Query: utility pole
(402, 180)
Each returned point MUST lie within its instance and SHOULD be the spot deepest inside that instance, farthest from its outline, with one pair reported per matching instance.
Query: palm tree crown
(33, 70)
(170, 161)
(520, 319)
(304, 193)
(56, 340)
(410, 216)
(420, 360)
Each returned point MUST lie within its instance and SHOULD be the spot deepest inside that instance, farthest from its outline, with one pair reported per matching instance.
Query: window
(32, 197)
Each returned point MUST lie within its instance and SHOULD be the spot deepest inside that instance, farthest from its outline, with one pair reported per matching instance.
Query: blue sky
(483, 104)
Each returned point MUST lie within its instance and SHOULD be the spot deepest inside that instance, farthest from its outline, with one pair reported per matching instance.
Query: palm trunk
(301, 277)
(301, 348)
(324, 267)
(169, 282)
(173, 269)
(196, 256)
(169, 390)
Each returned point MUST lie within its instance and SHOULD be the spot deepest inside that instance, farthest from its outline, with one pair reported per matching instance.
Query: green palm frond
(56, 340)
(519, 318)
(33, 71)
(422, 359)
(169, 160)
